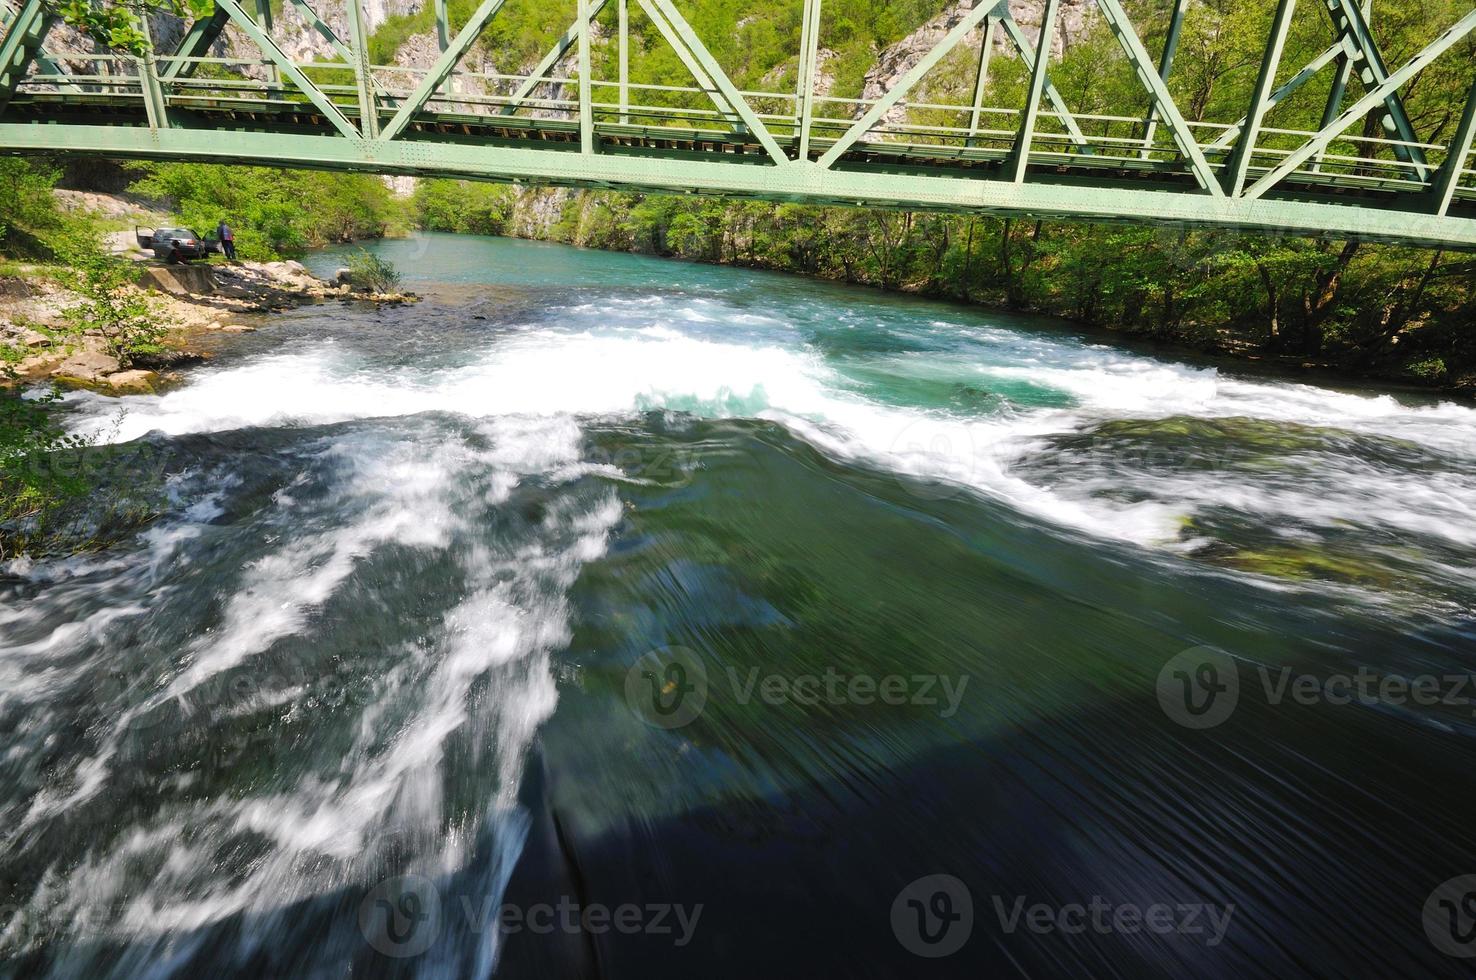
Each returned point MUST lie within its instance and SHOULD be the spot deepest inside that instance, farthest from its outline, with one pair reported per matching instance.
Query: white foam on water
(485, 673)
(635, 363)
(486, 679)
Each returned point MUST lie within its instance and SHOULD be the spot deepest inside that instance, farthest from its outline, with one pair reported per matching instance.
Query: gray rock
(132, 382)
(89, 365)
(1073, 21)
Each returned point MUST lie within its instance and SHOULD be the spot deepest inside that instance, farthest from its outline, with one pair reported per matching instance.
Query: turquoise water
(750, 606)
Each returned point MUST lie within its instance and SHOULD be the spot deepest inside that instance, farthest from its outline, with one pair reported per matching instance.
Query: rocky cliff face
(1072, 22)
(301, 42)
(536, 210)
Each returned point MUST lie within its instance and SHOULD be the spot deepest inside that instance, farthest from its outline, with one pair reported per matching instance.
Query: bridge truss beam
(838, 187)
(798, 145)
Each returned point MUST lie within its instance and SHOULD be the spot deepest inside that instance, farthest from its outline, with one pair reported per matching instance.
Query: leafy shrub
(373, 272)
(115, 25)
(32, 491)
(265, 206)
(28, 211)
(111, 303)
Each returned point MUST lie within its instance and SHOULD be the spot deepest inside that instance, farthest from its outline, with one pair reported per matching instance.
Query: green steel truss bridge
(563, 125)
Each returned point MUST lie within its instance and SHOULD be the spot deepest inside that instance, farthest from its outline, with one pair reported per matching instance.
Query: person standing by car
(227, 240)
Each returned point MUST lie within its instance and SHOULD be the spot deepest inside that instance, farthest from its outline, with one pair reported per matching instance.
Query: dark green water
(776, 629)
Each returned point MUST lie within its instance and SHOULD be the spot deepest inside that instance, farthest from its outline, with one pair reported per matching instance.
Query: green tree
(111, 303)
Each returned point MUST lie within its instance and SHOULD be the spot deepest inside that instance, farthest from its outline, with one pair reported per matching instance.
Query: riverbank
(1379, 313)
(42, 337)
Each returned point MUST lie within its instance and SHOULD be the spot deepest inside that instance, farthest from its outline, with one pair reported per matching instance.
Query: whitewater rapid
(481, 677)
(703, 356)
(444, 492)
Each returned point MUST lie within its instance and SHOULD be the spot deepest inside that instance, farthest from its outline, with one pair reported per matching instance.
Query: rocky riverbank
(40, 338)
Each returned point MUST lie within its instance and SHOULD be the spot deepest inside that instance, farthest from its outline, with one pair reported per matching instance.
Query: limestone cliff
(1072, 22)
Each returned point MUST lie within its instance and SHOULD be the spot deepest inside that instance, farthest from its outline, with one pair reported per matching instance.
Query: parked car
(175, 244)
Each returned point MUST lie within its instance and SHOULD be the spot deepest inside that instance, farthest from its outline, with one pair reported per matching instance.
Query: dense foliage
(273, 212)
(28, 211)
(115, 25)
(755, 41)
(33, 487)
(1368, 308)
(110, 303)
(55, 493)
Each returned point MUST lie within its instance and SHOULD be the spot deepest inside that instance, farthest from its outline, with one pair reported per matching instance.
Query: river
(606, 615)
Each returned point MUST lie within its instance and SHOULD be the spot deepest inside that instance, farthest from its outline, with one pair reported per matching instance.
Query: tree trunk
(1273, 326)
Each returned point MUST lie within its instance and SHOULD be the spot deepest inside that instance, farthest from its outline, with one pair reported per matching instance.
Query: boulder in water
(132, 382)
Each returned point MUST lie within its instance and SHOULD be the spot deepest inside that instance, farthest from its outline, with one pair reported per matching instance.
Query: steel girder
(21, 44)
(797, 182)
(1247, 186)
(1376, 95)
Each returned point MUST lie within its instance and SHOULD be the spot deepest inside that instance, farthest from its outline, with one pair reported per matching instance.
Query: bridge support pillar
(1019, 157)
(1165, 66)
(981, 76)
(586, 107)
(1448, 178)
(264, 20)
(1234, 174)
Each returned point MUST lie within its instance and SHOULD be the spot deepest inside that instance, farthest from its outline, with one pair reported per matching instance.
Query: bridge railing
(622, 112)
(928, 130)
(1108, 138)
